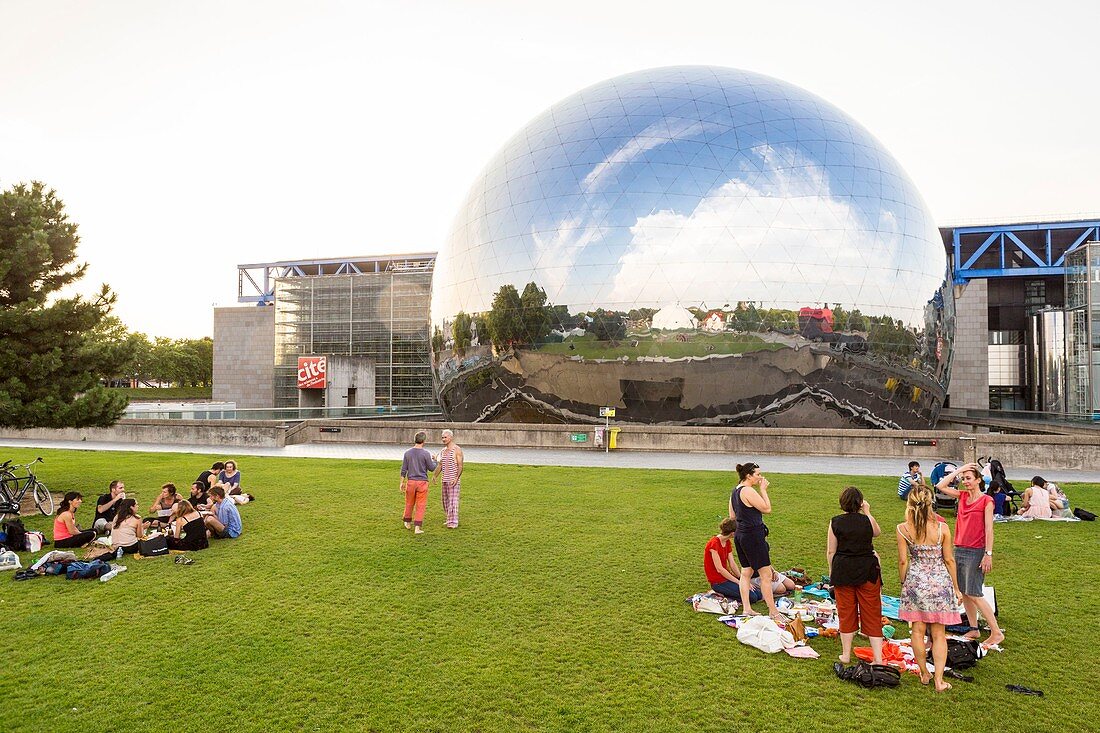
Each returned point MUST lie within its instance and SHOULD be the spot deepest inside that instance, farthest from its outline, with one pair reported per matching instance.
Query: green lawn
(558, 605)
(666, 345)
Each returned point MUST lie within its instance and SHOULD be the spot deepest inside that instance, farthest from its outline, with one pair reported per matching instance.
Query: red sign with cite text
(311, 372)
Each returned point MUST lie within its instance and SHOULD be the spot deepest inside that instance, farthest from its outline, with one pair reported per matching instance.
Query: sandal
(1024, 690)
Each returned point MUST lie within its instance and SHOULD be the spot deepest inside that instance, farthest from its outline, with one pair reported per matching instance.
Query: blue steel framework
(267, 272)
(1017, 250)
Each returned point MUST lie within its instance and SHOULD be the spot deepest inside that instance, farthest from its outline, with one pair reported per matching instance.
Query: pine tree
(50, 360)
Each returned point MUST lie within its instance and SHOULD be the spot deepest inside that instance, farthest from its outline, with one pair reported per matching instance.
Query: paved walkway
(573, 457)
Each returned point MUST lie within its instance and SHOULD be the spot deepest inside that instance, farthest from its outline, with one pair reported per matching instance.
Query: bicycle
(12, 493)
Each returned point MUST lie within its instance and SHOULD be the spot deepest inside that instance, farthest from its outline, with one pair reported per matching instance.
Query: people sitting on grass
(199, 497)
(188, 529)
(230, 478)
(1059, 502)
(225, 523)
(162, 506)
(66, 532)
(855, 573)
(721, 570)
(1036, 500)
(127, 528)
(748, 503)
(781, 586)
(911, 476)
(106, 507)
(210, 477)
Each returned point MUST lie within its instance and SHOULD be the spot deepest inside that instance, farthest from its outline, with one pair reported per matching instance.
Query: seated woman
(127, 529)
(230, 480)
(1036, 500)
(163, 505)
(188, 529)
(781, 586)
(721, 569)
(1059, 502)
(66, 532)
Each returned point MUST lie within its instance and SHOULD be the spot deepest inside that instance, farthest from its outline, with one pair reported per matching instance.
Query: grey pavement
(842, 465)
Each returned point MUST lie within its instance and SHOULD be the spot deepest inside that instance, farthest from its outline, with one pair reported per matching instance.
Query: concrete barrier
(245, 433)
(1040, 451)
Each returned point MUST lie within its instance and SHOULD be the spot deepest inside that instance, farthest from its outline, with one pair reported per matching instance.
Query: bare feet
(972, 634)
(942, 686)
(750, 612)
(925, 676)
(844, 658)
(993, 640)
(777, 617)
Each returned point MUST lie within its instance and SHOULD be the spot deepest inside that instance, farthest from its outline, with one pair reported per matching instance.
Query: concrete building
(1012, 334)
(368, 315)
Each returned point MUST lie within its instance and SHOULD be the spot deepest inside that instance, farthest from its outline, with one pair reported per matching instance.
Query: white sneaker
(115, 570)
(418, 531)
(408, 525)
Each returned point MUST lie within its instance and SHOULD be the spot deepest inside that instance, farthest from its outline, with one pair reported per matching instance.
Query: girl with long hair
(929, 587)
(127, 529)
(188, 529)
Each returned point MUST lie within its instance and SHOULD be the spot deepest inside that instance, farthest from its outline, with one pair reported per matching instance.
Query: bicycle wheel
(43, 499)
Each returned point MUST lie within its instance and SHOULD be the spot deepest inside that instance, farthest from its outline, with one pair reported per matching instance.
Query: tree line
(58, 353)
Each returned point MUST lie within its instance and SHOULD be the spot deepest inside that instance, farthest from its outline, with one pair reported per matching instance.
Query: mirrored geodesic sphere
(693, 245)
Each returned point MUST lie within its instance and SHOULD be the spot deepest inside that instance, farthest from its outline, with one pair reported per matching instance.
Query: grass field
(557, 605)
(699, 344)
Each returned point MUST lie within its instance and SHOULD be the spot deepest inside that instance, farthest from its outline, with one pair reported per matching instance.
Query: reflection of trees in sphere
(693, 245)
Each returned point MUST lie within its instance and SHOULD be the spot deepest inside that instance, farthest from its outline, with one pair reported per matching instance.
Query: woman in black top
(748, 503)
(188, 529)
(855, 574)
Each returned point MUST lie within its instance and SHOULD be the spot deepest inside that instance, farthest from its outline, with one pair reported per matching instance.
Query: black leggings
(130, 549)
(77, 540)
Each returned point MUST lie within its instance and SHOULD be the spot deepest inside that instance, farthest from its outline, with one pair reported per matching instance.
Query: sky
(189, 137)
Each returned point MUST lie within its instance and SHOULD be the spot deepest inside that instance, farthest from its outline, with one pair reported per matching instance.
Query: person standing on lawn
(415, 467)
(450, 465)
(973, 547)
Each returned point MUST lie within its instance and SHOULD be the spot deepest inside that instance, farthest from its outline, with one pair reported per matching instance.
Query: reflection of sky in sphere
(697, 186)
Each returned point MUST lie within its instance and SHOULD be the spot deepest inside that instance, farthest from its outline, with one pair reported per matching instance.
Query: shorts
(752, 549)
(968, 566)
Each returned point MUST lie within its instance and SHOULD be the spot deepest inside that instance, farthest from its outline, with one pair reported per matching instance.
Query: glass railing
(1023, 415)
(290, 414)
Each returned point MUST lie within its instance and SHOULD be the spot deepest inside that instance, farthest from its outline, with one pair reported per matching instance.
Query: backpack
(16, 538)
(962, 654)
(869, 675)
(86, 570)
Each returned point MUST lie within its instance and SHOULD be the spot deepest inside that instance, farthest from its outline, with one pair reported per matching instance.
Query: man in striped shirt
(910, 477)
(450, 465)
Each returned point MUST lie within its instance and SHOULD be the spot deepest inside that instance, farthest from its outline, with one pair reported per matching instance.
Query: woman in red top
(722, 572)
(973, 547)
(66, 532)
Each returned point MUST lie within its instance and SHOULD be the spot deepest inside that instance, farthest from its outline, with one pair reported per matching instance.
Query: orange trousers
(416, 497)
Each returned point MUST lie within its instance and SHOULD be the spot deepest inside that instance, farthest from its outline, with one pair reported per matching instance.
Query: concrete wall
(1036, 451)
(244, 355)
(244, 433)
(970, 368)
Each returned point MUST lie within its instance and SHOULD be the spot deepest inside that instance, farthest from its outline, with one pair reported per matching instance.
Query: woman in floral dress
(929, 587)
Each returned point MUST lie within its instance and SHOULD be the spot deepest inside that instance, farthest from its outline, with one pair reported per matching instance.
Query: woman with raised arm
(973, 547)
(855, 573)
(929, 585)
(749, 502)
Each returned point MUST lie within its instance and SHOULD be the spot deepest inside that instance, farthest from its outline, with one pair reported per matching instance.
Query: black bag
(16, 535)
(869, 675)
(962, 654)
(154, 547)
(1084, 514)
